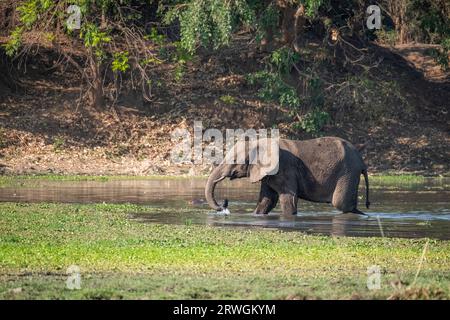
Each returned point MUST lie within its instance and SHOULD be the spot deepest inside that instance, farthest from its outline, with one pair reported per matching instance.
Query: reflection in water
(336, 224)
(342, 223)
(125, 191)
(418, 211)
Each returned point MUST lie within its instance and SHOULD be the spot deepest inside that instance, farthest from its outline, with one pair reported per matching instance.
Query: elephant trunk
(213, 179)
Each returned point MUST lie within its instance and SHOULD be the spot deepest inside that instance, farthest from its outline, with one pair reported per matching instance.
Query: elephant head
(253, 159)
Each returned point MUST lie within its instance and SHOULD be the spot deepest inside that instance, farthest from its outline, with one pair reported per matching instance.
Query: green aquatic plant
(116, 253)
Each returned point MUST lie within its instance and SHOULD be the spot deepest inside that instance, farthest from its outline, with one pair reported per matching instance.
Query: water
(401, 210)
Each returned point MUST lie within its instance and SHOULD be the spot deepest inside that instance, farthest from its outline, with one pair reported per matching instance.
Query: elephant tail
(366, 178)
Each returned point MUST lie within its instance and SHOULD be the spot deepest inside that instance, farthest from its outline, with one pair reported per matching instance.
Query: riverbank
(30, 180)
(120, 258)
(397, 178)
(401, 115)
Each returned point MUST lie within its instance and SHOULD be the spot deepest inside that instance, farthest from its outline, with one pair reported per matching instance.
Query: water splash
(223, 212)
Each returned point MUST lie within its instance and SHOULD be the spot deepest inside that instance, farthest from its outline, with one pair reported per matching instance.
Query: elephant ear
(263, 159)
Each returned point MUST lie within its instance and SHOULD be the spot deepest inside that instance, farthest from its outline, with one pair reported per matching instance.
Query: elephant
(324, 170)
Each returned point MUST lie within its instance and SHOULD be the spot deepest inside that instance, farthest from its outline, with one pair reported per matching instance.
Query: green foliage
(312, 7)
(155, 37)
(273, 88)
(227, 99)
(267, 20)
(268, 17)
(385, 36)
(14, 42)
(284, 59)
(58, 143)
(29, 11)
(150, 61)
(208, 23)
(441, 57)
(446, 43)
(316, 98)
(313, 121)
(174, 52)
(430, 17)
(120, 62)
(49, 36)
(272, 85)
(306, 111)
(211, 23)
(180, 57)
(179, 72)
(93, 37)
(3, 139)
(428, 21)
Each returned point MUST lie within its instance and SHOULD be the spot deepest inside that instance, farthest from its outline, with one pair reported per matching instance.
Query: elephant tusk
(220, 179)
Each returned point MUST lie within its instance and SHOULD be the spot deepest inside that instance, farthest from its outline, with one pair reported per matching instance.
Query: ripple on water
(419, 211)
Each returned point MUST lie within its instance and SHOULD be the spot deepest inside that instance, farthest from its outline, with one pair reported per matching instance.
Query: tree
(119, 38)
(211, 23)
(112, 39)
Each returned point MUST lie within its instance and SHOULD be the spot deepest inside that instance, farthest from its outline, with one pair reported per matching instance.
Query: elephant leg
(358, 212)
(345, 196)
(288, 203)
(268, 199)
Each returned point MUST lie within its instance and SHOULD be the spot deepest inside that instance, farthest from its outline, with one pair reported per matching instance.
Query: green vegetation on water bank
(122, 258)
(28, 180)
(8, 179)
(408, 182)
(394, 182)
(400, 178)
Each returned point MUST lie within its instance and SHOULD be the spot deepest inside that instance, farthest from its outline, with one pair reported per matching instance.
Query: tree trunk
(292, 24)
(287, 25)
(96, 95)
(397, 9)
(298, 26)
(267, 42)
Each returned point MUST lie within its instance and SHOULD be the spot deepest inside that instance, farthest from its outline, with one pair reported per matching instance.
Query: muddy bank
(44, 128)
